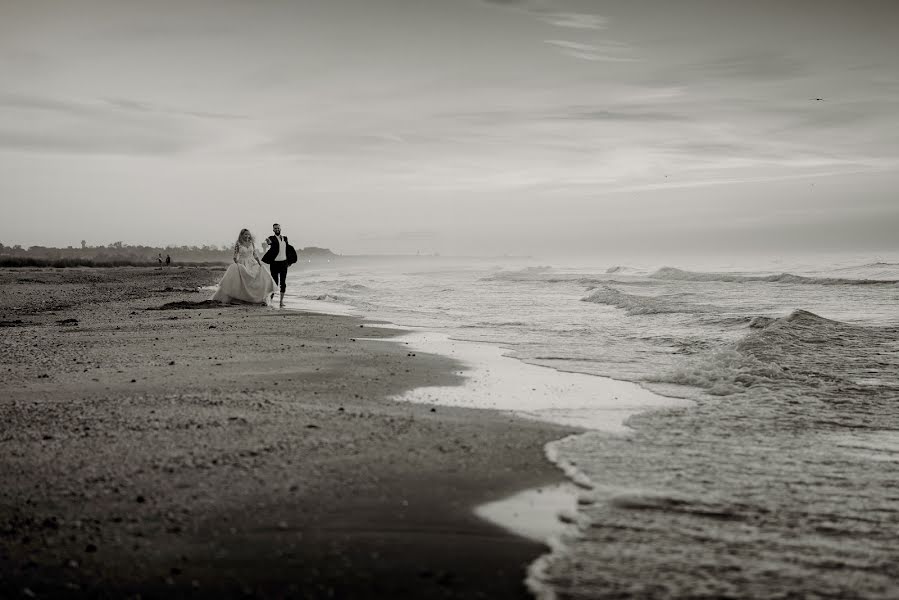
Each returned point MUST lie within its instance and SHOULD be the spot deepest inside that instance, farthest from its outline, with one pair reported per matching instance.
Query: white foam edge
(496, 381)
(320, 306)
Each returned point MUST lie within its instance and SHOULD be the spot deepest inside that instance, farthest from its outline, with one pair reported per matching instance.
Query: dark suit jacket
(272, 252)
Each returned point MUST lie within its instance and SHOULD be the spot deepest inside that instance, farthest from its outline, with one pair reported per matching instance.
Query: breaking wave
(873, 270)
(525, 274)
(622, 270)
(353, 288)
(643, 305)
(674, 274)
(326, 298)
(801, 354)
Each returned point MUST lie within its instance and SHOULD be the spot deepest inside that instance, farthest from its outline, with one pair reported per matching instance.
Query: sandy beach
(154, 444)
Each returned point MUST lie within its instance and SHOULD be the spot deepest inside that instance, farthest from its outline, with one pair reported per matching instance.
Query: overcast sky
(455, 126)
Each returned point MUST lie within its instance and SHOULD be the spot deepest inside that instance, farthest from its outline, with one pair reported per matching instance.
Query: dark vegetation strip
(61, 263)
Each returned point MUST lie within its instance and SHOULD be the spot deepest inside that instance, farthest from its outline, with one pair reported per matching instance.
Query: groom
(278, 258)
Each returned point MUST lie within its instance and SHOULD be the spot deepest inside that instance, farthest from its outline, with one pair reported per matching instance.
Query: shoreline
(495, 381)
(264, 460)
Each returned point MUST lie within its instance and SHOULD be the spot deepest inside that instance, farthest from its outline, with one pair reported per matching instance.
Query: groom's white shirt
(282, 249)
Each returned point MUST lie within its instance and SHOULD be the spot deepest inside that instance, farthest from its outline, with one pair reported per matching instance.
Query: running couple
(247, 281)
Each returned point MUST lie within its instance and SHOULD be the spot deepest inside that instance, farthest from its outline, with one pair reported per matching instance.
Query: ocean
(775, 474)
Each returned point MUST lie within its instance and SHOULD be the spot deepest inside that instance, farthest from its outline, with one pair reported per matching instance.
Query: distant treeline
(29, 261)
(119, 254)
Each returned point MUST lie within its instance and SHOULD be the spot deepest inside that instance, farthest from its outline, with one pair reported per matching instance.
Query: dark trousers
(279, 273)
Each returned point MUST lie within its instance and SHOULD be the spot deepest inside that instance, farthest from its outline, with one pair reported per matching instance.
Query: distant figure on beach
(159, 259)
(279, 256)
(168, 260)
(246, 280)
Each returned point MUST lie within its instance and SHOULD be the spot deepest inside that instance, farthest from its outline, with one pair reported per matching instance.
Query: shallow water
(781, 480)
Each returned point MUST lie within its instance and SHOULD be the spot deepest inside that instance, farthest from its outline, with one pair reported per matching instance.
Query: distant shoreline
(24, 262)
(67, 263)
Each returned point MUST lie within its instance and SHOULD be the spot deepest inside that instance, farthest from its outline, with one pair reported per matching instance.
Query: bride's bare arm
(236, 251)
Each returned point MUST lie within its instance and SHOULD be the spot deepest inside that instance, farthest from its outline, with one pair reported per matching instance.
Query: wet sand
(239, 451)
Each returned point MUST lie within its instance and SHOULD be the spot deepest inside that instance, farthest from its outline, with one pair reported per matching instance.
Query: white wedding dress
(246, 280)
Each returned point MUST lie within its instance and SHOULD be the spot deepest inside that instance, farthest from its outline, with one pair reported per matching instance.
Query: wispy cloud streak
(575, 20)
(46, 124)
(605, 52)
(94, 107)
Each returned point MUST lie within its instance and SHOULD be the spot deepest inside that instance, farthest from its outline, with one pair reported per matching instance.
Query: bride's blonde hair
(240, 237)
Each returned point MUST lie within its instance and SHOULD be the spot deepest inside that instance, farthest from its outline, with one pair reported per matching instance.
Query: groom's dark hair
(273, 224)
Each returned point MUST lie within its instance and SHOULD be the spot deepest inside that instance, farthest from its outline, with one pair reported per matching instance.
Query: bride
(246, 280)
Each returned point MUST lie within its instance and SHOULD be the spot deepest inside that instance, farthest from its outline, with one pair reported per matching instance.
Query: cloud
(607, 51)
(572, 20)
(621, 115)
(318, 143)
(404, 236)
(691, 148)
(597, 57)
(99, 107)
(614, 111)
(576, 20)
(719, 181)
(90, 142)
(42, 103)
(752, 66)
(816, 117)
(571, 45)
(47, 124)
(136, 105)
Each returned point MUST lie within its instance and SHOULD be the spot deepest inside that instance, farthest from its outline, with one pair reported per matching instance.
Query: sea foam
(643, 305)
(799, 354)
